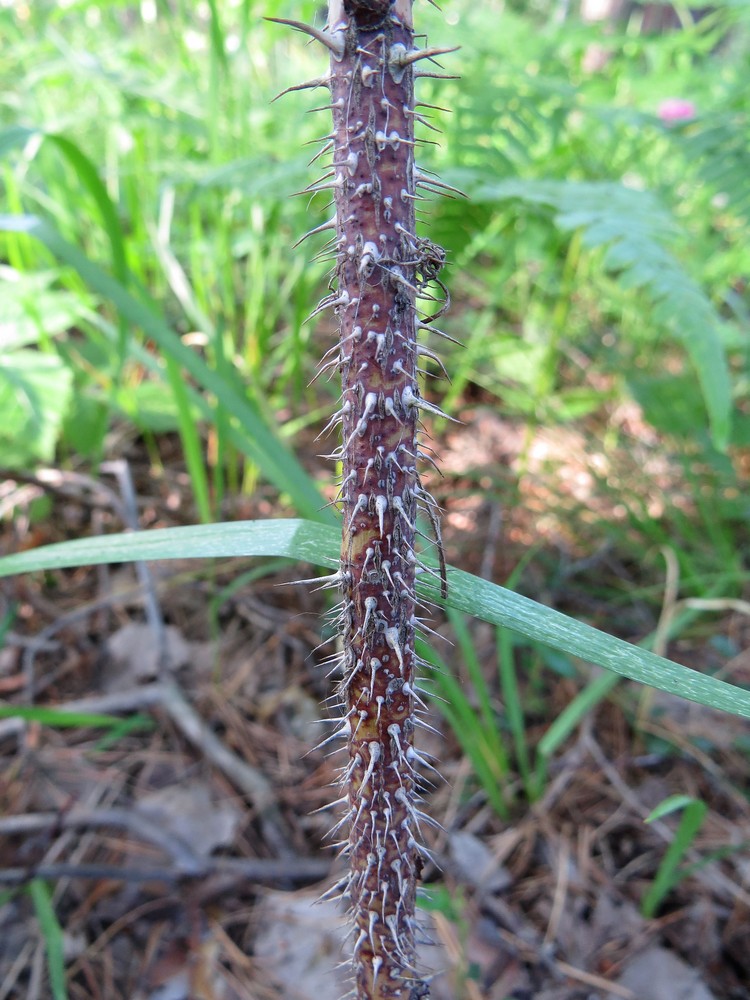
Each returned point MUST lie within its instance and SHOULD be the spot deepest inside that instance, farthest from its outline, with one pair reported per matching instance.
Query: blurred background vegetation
(152, 304)
(149, 285)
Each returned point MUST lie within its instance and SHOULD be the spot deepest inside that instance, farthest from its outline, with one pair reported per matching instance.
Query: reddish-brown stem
(381, 269)
(372, 91)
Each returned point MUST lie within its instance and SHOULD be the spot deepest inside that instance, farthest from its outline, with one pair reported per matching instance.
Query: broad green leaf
(305, 541)
(35, 390)
(31, 311)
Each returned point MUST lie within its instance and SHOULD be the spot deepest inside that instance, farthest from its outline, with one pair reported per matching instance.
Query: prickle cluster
(382, 269)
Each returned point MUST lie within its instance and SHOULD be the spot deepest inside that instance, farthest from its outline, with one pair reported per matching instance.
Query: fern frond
(636, 231)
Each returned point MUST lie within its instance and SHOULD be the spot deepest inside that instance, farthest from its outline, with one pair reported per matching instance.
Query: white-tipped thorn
(331, 224)
(422, 74)
(425, 352)
(401, 56)
(361, 504)
(330, 805)
(330, 302)
(321, 81)
(439, 333)
(381, 506)
(375, 751)
(340, 733)
(423, 180)
(335, 41)
(377, 963)
(392, 639)
(410, 398)
(325, 582)
(407, 689)
(337, 418)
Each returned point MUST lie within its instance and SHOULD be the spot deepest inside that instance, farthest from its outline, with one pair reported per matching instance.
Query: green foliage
(475, 728)
(669, 874)
(35, 382)
(248, 429)
(632, 226)
(52, 933)
(168, 176)
(76, 720)
(595, 231)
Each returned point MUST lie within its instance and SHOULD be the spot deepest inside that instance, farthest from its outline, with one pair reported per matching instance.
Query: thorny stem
(382, 267)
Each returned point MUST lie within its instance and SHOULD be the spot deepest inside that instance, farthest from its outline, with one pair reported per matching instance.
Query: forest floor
(182, 851)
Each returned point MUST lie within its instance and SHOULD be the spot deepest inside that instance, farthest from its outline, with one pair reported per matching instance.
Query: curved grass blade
(88, 175)
(306, 541)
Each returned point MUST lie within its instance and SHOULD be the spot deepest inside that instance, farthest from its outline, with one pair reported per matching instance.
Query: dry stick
(382, 267)
(184, 862)
(121, 471)
(260, 870)
(181, 853)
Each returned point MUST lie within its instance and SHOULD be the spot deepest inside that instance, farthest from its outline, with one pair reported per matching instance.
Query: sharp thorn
(335, 42)
(321, 81)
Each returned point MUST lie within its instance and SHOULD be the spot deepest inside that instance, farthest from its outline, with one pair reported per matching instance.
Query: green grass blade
(583, 703)
(498, 606)
(217, 35)
(88, 176)
(514, 708)
(87, 173)
(191, 443)
(489, 722)
(279, 465)
(70, 720)
(131, 724)
(672, 803)
(668, 874)
(478, 743)
(53, 937)
(312, 542)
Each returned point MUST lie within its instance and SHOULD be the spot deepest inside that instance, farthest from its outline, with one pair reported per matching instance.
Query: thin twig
(262, 870)
(182, 855)
(69, 484)
(121, 471)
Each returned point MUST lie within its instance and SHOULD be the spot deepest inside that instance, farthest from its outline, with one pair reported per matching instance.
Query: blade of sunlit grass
(489, 765)
(306, 541)
(52, 933)
(484, 699)
(514, 708)
(70, 720)
(191, 443)
(668, 875)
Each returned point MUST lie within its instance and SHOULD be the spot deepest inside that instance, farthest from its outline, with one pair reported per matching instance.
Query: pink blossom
(676, 109)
